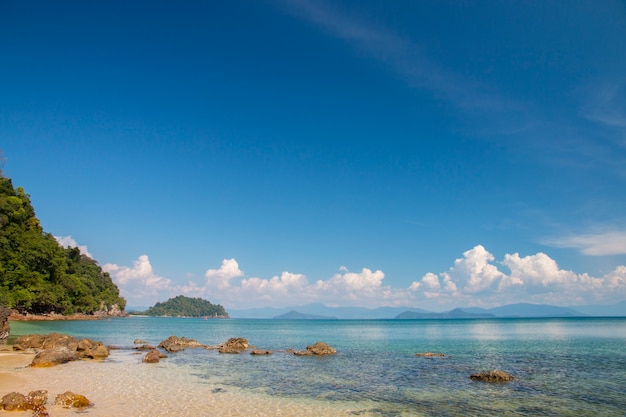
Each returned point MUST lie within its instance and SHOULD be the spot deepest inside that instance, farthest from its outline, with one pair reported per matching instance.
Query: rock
(32, 341)
(318, 349)
(14, 401)
(5, 328)
(492, 376)
(176, 344)
(69, 399)
(139, 342)
(58, 339)
(54, 356)
(430, 354)
(99, 351)
(321, 348)
(37, 399)
(154, 356)
(234, 345)
(261, 352)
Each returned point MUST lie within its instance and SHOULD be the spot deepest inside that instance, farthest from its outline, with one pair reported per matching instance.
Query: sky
(432, 154)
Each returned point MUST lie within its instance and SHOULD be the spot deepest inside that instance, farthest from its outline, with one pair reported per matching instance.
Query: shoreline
(15, 316)
(123, 385)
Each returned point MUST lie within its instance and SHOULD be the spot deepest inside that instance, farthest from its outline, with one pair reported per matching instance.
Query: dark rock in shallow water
(176, 344)
(318, 349)
(154, 356)
(261, 352)
(492, 376)
(234, 345)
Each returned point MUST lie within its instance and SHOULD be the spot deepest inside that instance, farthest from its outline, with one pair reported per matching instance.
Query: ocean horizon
(561, 366)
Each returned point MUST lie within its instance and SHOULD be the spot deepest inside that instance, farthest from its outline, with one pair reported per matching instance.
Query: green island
(182, 306)
(39, 276)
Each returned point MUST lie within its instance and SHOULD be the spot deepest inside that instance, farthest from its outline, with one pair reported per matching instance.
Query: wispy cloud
(594, 244)
(404, 57)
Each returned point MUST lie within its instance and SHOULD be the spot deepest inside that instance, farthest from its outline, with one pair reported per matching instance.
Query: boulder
(234, 345)
(30, 341)
(154, 356)
(53, 356)
(261, 352)
(318, 349)
(321, 348)
(98, 351)
(69, 399)
(492, 376)
(144, 347)
(14, 401)
(176, 344)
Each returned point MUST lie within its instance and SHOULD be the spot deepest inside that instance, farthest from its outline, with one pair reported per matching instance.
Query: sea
(561, 366)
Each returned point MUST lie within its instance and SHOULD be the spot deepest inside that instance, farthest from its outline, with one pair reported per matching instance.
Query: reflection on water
(562, 366)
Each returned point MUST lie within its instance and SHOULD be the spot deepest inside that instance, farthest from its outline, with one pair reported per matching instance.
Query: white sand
(124, 386)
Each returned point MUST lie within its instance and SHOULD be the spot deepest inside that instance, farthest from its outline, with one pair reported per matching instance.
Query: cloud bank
(475, 279)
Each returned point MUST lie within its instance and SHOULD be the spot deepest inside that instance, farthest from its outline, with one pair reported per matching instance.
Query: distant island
(40, 277)
(319, 311)
(182, 306)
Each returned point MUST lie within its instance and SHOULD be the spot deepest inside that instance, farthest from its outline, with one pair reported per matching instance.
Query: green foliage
(182, 306)
(37, 275)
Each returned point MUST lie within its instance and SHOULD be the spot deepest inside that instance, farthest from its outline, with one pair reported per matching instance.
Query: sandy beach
(124, 386)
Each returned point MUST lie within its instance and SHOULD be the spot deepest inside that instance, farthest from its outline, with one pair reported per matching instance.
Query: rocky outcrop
(69, 399)
(234, 345)
(154, 356)
(318, 349)
(492, 376)
(54, 356)
(56, 348)
(176, 344)
(5, 329)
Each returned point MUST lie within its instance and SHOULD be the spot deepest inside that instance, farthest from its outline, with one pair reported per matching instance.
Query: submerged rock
(261, 352)
(492, 376)
(37, 399)
(154, 356)
(430, 354)
(69, 399)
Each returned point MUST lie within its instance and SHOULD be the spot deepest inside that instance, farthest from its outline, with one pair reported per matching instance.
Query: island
(182, 306)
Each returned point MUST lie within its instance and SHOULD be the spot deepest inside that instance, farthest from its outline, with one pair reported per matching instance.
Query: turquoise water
(563, 367)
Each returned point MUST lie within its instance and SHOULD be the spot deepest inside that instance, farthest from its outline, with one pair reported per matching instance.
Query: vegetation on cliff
(39, 276)
(182, 306)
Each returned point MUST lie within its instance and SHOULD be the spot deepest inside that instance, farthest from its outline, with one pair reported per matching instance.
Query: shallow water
(573, 366)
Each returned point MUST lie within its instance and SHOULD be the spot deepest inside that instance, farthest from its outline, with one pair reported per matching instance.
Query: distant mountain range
(522, 310)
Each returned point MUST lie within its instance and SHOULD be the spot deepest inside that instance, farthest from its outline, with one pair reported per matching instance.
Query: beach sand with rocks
(122, 385)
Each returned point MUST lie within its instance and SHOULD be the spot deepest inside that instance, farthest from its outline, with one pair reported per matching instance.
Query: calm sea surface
(563, 367)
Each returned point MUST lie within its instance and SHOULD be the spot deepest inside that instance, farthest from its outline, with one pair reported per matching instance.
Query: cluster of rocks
(36, 401)
(234, 345)
(55, 348)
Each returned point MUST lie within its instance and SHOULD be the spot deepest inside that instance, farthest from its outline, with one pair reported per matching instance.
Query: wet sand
(124, 386)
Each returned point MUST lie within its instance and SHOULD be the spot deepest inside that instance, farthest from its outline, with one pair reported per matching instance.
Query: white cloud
(475, 279)
(220, 278)
(594, 244)
(69, 242)
(139, 283)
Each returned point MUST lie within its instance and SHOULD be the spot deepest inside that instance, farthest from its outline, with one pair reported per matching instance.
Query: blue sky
(433, 154)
